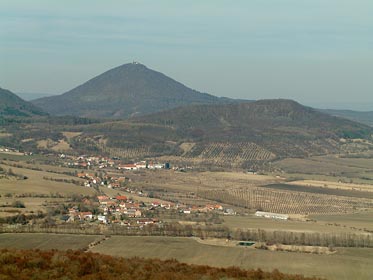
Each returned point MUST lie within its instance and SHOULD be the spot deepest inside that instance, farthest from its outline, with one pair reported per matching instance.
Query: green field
(46, 241)
(345, 264)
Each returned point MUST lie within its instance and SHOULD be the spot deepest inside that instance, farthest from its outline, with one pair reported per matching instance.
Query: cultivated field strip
(128, 153)
(222, 153)
(286, 202)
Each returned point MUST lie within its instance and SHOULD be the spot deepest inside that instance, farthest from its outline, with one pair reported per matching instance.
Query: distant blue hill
(28, 96)
(362, 117)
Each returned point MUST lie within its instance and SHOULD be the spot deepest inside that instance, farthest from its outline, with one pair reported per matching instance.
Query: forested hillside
(13, 106)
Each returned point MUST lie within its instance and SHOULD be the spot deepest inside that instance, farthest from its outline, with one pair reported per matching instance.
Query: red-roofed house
(121, 198)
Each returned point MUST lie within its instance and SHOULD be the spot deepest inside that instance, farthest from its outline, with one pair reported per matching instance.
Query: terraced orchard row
(286, 202)
(127, 153)
(221, 153)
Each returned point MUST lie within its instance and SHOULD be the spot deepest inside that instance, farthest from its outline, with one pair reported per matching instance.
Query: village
(103, 173)
(131, 206)
(124, 211)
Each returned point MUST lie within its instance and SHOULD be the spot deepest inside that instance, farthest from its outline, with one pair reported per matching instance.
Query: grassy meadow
(37, 185)
(44, 241)
(346, 264)
(328, 168)
(362, 220)
(319, 224)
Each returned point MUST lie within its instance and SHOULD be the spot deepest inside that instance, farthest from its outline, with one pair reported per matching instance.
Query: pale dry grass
(192, 181)
(71, 134)
(333, 185)
(44, 241)
(45, 144)
(253, 222)
(301, 249)
(37, 185)
(32, 205)
(5, 134)
(61, 146)
(187, 146)
(346, 264)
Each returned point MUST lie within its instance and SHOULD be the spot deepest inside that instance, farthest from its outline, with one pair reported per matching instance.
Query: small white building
(102, 219)
(271, 215)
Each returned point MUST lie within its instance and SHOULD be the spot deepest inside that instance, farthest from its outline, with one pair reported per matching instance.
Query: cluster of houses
(113, 210)
(142, 165)
(87, 162)
(111, 182)
(125, 211)
(9, 150)
(121, 205)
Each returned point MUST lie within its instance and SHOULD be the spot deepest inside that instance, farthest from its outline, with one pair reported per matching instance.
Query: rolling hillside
(13, 106)
(127, 90)
(235, 122)
(242, 134)
(246, 135)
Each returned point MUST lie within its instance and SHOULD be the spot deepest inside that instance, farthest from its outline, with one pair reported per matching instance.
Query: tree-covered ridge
(36, 264)
(277, 115)
(242, 134)
(13, 106)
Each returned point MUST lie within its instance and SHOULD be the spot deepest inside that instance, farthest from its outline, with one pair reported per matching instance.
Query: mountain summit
(128, 90)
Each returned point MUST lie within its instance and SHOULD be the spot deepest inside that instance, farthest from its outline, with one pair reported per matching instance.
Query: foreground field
(46, 241)
(345, 264)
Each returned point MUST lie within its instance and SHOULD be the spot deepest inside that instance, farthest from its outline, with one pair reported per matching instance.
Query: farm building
(271, 215)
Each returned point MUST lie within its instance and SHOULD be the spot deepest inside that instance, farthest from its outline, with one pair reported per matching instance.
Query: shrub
(18, 204)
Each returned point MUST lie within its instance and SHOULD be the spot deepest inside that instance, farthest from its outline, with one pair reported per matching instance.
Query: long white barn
(271, 215)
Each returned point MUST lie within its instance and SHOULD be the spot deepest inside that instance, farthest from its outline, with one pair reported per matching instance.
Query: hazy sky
(318, 52)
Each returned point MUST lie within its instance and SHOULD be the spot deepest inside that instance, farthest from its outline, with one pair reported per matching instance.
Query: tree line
(341, 239)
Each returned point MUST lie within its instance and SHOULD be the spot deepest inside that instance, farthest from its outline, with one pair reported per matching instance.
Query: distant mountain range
(362, 117)
(13, 106)
(134, 90)
(128, 90)
(28, 96)
(238, 134)
(158, 116)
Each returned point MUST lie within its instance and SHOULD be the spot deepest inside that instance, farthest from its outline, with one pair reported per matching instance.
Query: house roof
(102, 197)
